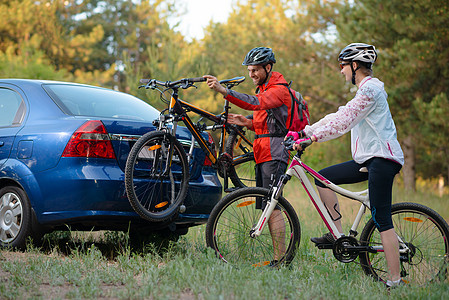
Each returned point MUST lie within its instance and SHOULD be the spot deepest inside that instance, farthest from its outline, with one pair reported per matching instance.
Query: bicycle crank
(224, 164)
(346, 249)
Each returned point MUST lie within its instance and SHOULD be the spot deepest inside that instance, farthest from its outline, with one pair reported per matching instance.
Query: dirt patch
(14, 256)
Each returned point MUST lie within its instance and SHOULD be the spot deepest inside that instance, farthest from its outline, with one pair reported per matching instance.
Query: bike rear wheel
(231, 220)
(155, 186)
(242, 172)
(424, 232)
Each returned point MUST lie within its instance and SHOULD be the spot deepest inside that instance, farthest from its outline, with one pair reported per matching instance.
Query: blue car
(63, 149)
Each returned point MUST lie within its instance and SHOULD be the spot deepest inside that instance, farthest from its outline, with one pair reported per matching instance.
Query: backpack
(299, 115)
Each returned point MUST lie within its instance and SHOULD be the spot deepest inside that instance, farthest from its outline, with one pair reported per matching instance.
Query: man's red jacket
(277, 99)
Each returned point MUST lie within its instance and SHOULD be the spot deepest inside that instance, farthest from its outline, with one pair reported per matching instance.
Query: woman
(377, 155)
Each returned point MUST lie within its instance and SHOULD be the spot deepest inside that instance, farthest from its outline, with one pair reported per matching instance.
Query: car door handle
(1, 144)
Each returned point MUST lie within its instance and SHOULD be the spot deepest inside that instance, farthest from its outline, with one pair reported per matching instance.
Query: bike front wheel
(426, 235)
(232, 219)
(240, 148)
(156, 176)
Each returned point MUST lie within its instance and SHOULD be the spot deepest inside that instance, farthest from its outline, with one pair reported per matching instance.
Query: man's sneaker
(328, 238)
(395, 284)
(273, 263)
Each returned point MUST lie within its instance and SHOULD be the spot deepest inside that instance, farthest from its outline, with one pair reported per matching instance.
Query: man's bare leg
(276, 224)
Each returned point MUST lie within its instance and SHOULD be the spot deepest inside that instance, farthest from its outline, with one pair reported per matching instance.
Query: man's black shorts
(267, 175)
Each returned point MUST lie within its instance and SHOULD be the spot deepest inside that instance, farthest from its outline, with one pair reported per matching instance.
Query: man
(271, 106)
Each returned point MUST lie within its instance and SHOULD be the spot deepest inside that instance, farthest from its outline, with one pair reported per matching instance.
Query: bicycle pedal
(230, 190)
(324, 246)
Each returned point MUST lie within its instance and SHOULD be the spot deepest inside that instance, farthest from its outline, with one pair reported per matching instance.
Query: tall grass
(189, 270)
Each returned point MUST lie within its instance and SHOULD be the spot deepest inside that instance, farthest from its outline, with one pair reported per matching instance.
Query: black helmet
(359, 52)
(259, 56)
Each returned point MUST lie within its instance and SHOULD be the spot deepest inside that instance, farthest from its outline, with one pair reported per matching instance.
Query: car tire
(15, 217)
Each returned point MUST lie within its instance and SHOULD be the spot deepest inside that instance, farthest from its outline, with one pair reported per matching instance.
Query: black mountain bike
(157, 168)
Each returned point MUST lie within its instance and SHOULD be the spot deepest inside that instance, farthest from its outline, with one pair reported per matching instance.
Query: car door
(12, 112)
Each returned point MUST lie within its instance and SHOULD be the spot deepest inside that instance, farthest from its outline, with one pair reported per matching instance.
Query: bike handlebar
(181, 83)
(290, 142)
(188, 82)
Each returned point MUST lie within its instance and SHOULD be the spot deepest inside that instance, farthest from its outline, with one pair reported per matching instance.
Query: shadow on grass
(110, 243)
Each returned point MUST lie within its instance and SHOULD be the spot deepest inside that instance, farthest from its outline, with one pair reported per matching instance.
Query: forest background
(114, 43)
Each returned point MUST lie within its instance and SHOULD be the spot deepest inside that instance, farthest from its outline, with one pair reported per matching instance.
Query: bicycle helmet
(259, 56)
(359, 52)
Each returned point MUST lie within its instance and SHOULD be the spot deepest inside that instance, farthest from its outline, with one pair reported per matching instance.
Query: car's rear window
(99, 102)
(12, 108)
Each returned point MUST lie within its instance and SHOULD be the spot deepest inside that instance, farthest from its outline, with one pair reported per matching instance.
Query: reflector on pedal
(246, 203)
(411, 219)
(162, 204)
(261, 264)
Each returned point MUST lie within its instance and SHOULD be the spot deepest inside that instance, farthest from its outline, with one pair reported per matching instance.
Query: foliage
(412, 39)
(300, 36)
(301, 56)
(114, 43)
(33, 65)
(434, 151)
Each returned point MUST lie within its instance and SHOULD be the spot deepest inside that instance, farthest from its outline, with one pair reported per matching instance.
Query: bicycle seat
(233, 81)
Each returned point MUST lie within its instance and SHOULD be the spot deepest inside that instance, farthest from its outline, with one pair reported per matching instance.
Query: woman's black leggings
(380, 177)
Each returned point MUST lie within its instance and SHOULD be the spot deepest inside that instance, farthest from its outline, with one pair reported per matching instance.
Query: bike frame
(299, 169)
(180, 108)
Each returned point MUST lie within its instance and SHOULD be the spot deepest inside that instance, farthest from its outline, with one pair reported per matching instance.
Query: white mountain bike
(237, 231)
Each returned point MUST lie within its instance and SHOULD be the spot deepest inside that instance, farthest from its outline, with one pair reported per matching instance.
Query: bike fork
(275, 193)
(170, 150)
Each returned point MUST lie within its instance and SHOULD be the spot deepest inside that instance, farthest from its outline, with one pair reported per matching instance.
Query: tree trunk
(409, 166)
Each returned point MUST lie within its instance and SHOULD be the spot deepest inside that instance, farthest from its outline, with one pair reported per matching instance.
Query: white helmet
(358, 52)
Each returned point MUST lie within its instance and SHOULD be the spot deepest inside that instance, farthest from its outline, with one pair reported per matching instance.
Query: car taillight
(207, 161)
(90, 140)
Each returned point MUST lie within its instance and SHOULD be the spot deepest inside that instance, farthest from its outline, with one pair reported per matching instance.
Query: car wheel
(15, 217)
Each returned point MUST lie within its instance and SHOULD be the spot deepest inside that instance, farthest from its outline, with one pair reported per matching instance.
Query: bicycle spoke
(230, 224)
(242, 173)
(424, 233)
(156, 187)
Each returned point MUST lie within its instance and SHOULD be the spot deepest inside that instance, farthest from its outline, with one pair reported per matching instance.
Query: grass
(78, 267)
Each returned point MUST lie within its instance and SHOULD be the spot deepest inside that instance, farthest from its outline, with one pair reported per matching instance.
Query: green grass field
(188, 270)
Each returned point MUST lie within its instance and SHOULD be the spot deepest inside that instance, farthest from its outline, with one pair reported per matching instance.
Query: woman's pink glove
(295, 134)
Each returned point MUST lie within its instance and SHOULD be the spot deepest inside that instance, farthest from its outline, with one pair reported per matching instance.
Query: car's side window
(12, 108)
